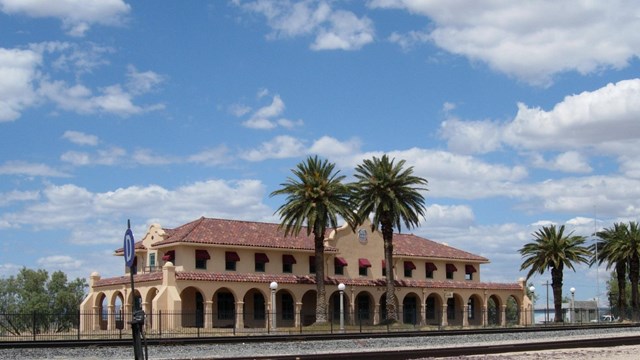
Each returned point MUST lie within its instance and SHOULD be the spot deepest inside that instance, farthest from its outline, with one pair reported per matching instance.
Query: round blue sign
(129, 248)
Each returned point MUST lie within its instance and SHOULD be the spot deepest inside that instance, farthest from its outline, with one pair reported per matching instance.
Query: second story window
(468, 272)
(363, 265)
(287, 263)
(312, 264)
(261, 260)
(169, 256)
(231, 258)
(152, 261)
(450, 270)
(201, 259)
(409, 266)
(430, 268)
(338, 265)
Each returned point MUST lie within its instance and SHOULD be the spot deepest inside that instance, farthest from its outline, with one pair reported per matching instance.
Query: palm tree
(392, 194)
(552, 249)
(632, 252)
(611, 248)
(316, 198)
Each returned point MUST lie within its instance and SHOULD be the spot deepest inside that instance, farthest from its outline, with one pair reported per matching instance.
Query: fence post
(34, 326)
(159, 323)
(79, 321)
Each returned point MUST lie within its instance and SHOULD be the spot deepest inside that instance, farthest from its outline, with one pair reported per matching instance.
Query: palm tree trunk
(387, 236)
(621, 272)
(634, 274)
(321, 297)
(556, 285)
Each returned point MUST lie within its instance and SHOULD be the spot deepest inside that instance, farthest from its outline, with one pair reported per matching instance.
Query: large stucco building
(218, 273)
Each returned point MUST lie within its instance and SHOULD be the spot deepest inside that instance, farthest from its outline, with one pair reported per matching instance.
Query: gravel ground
(356, 345)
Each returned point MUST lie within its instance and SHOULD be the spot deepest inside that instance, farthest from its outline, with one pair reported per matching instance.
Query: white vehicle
(605, 318)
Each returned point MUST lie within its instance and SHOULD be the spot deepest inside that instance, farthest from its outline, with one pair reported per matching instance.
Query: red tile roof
(266, 235)
(238, 233)
(305, 279)
(415, 246)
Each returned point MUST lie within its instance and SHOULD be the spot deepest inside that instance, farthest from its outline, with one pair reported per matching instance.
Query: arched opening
(285, 309)
(255, 309)
(493, 311)
(513, 311)
(455, 311)
(192, 307)
(308, 311)
(364, 308)
(474, 310)
(433, 310)
(103, 311)
(118, 310)
(151, 294)
(224, 313)
(410, 313)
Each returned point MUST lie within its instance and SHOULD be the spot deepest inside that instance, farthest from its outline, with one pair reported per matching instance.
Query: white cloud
(471, 137)
(266, 117)
(18, 72)
(108, 156)
(15, 196)
(77, 15)
(333, 29)
(60, 262)
(570, 161)
(29, 169)
(446, 216)
(530, 40)
(80, 138)
(331, 147)
(215, 156)
(279, 147)
(142, 82)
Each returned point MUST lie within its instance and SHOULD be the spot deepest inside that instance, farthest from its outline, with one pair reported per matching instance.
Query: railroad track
(453, 351)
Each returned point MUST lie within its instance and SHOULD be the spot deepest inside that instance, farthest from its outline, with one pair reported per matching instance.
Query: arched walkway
(308, 309)
(493, 311)
(224, 313)
(254, 309)
(334, 307)
(433, 310)
(475, 311)
(410, 310)
(192, 307)
(364, 308)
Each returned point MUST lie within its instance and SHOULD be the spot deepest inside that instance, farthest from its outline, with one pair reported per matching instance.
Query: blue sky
(519, 114)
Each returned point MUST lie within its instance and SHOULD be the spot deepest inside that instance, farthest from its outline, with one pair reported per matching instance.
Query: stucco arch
(224, 307)
(433, 309)
(383, 307)
(365, 308)
(475, 310)
(513, 311)
(308, 310)
(455, 310)
(411, 306)
(285, 308)
(494, 310)
(192, 302)
(255, 308)
(334, 307)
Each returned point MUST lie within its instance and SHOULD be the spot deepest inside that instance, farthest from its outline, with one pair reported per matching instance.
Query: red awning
(230, 256)
(261, 258)
(340, 261)
(384, 264)
(364, 263)
(430, 266)
(288, 259)
(202, 255)
(451, 268)
(469, 269)
(169, 255)
(409, 265)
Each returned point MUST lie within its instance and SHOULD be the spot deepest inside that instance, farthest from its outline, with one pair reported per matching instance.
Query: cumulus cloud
(471, 137)
(570, 161)
(279, 147)
(333, 29)
(331, 147)
(18, 74)
(80, 138)
(266, 117)
(77, 16)
(532, 40)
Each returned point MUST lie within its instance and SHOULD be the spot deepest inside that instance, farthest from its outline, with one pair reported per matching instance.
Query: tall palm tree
(552, 249)
(611, 248)
(316, 198)
(392, 194)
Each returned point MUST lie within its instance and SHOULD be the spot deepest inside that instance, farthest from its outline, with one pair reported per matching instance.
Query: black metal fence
(158, 324)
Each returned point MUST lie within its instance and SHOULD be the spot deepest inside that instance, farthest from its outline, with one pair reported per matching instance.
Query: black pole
(137, 319)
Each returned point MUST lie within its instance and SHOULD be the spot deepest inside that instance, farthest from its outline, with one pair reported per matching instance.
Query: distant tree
(54, 301)
(316, 199)
(391, 193)
(552, 250)
(613, 248)
(613, 293)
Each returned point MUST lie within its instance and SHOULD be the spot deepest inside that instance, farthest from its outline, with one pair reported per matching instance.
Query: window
(287, 306)
(312, 264)
(225, 306)
(261, 259)
(201, 259)
(409, 266)
(468, 272)
(152, 260)
(170, 256)
(338, 265)
(231, 258)
(430, 268)
(363, 265)
(450, 270)
(287, 263)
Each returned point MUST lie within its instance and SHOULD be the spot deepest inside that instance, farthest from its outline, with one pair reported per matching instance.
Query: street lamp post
(273, 286)
(341, 289)
(573, 305)
(547, 311)
(533, 304)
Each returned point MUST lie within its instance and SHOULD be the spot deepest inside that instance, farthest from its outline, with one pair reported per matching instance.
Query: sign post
(137, 320)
